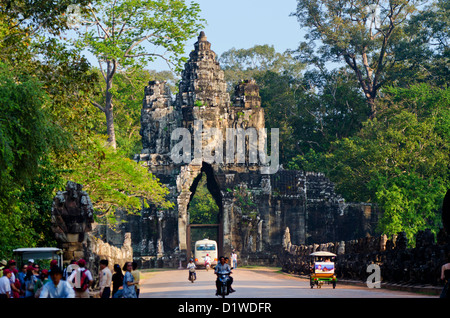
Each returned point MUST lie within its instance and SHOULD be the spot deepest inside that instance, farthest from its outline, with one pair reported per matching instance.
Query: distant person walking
(32, 281)
(137, 277)
(11, 265)
(21, 276)
(69, 269)
(234, 259)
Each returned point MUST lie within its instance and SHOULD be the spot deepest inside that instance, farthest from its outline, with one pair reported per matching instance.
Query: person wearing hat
(56, 287)
(81, 269)
(44, 276)
(53, 263)
(32, 281)
(5, 285)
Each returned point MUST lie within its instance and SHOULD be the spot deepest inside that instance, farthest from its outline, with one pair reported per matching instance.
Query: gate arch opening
(209, 221)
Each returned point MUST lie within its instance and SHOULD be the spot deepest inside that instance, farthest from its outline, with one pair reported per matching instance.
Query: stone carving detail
(74, 228)
(72, 218)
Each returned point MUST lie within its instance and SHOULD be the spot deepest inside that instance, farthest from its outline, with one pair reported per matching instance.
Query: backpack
(31, 284)
(39, 286)
(84, 282)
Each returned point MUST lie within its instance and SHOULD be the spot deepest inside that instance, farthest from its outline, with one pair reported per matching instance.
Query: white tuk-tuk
(323, 270)
(39, 255)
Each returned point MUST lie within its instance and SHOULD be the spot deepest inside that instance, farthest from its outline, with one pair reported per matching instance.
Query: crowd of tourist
(74, 281)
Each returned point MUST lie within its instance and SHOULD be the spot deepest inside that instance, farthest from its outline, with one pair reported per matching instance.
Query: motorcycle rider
(221, 268)
(207, 261)
(190, 265)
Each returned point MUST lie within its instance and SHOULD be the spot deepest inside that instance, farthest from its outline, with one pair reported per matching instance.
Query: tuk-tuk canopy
(322, 254)
(38, 253)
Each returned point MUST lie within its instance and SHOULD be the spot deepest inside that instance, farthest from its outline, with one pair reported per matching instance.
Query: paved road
(254, 283)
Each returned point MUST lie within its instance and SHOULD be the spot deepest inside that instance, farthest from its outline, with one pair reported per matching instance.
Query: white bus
(202, 248)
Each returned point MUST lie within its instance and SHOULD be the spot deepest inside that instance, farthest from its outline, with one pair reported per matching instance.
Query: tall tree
(27, 135)
(128, 34)
(360, 33)
(399, 160)
(128, 94)
(426, 57)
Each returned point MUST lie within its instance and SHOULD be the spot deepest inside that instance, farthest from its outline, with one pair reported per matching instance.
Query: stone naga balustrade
(398, 263)
(73, 224)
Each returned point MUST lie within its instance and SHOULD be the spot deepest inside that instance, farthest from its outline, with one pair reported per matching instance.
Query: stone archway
(214, 189)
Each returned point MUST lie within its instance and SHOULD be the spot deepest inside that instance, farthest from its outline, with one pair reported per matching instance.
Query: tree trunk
(372, 107)
(110, 123)
(108, 110)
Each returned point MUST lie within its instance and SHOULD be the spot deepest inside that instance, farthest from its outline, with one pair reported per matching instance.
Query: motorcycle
(207, 265)
(192, 274)
(224, 278)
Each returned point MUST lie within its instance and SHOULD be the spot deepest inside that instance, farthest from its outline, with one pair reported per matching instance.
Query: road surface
(254, 283)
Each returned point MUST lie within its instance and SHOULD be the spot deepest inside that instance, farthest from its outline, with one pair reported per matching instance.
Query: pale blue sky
(245, 23)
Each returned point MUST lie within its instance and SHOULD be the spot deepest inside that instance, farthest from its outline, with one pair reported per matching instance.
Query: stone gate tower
(304, 201)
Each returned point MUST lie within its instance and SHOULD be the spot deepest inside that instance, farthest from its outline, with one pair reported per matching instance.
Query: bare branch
(98, 22)
(168, 61)
(101, 69)
(137, 43)
(98, 106)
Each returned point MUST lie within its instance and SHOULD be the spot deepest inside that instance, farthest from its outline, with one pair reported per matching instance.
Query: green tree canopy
(26, 135)
(242, 64)
(127, 34)
(400, 160)
(361, 33)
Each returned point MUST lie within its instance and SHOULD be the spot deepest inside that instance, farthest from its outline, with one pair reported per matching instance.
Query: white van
(202, 248)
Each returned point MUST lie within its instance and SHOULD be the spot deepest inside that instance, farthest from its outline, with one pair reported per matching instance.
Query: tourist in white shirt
(79, 292)
(5, 286)
(105, 279)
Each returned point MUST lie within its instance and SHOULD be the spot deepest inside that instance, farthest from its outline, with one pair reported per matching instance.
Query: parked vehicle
(40, 255)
